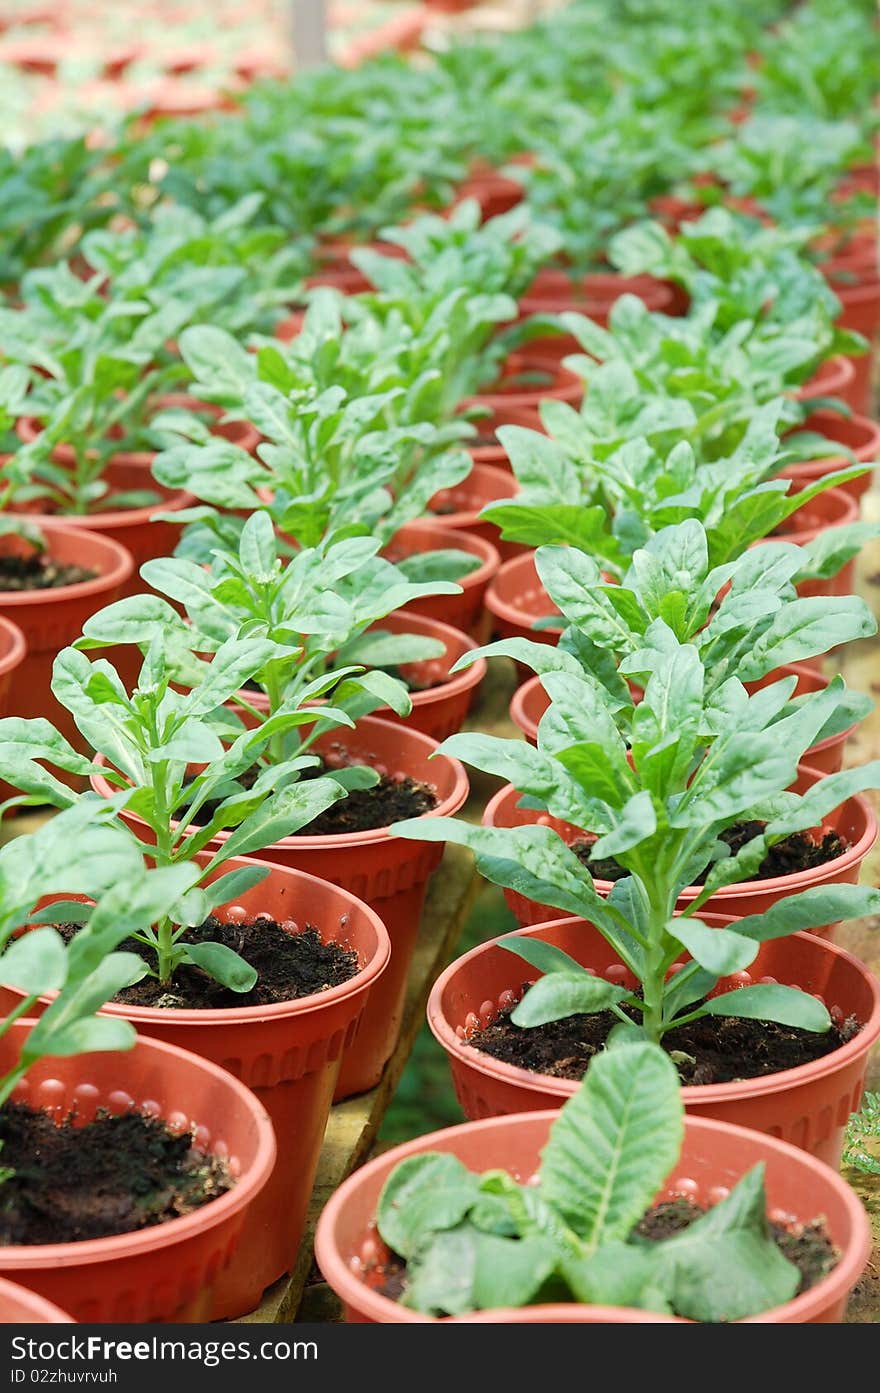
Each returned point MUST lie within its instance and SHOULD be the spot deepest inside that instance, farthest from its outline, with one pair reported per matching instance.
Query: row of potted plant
(235, 717)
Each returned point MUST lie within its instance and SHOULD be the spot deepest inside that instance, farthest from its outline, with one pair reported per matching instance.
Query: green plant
(173, 754)
(659, 783)
(609, 496)
(78, 852)
(862, 1132)
(475, 1242)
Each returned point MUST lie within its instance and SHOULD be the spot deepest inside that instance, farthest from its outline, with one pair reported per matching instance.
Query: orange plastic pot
(140, 530)
(834, 508)
(460, 506)
(807, 1106)
(388, 873)
(167, 1272)
(530, 701)
(506, 401)
(52, 619)
(860, 435)
(437, 711)
(714, 1157)
(860, 300)
(464, 611)
(13, 651)
(496, 193)
(516, 600)
(18, 1306)
(836, 377)
(553, 291)
(487, 449)
(854, 820)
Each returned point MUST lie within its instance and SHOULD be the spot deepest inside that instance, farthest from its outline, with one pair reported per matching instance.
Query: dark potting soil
(808, 1246)
(289, 966)
(799, 852)
(363, 810)
(366, 809)
(116, 1174)
(39, 573)
(714, 1049)
(414, 684)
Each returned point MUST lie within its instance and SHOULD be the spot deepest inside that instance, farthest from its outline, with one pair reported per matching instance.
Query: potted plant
(199, 1144)
(225, 971)
(541, 1208)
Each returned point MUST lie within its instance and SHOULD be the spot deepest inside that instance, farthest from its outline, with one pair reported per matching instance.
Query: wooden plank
(353, 1125)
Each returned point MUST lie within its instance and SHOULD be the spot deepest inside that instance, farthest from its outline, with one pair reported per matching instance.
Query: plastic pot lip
(446, 538)
(832, 375)
(693, 1094)
(15, 645)
(599, 290)
(866, 452)
(494, 476)
(334, 1264)
(119, 518)
(377, 836)
(456, 641)
(778, 884)
(844, 508)
(19, 1258)
(564, 386)
(523, 721)
(114, 563)
(569, 1314)
(279, 1010)
(506, 609)
(33, 1307)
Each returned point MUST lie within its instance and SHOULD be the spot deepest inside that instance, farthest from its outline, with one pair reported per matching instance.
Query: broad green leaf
(767, 1001)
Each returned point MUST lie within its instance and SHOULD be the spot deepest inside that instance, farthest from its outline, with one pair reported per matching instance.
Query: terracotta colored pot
(139, 530)
(485, 484)
(807, 1106)
(13, 651)
(861, 312)
(496, 193)
(555, 383)
(288, 1054)
(714, 1156)
(489, 450)
(530, 701)
(19, 1306)
(388, 873)
(167, 1272)
(237, 432)
(464, 611)
(834, 508)
(857, 433)
(836, 377)
(52, 619)
(516, 599)
(554, 292)
(854, 820)
(439, 711)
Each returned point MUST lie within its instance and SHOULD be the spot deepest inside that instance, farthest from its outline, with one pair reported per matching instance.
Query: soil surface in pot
(808, 1246)
(116, 1174)
(39, 573)
(799, 852)
(713, 1049)
(363, 810)
(290, 964)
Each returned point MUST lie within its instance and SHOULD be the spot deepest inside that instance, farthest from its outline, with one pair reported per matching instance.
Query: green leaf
(720, 951)
(423, 1195)
(36, 963)
(767, 1001)
(224, 965)
(614, 1143)
(811, 909)
(563, 994)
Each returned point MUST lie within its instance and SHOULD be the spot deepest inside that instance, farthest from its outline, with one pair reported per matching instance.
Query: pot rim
(340, 840)
(693, 1094)
(17, 646)
(446, 538)
(797, 880)
(495, 476)
(298, 1006)
(114, 561)
(506, 609)
(335, 1265)
(16, 1258)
